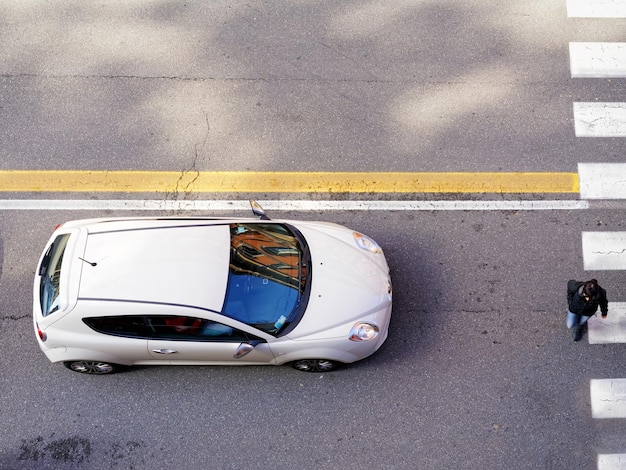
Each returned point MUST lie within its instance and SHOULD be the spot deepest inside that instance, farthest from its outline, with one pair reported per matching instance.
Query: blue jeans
(572, 319)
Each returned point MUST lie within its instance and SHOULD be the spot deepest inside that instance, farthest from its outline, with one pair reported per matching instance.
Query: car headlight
(363, 332)
(366, 243)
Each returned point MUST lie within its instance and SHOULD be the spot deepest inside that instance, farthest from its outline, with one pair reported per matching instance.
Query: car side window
(133, 326)
(168, 327)
(193, 329)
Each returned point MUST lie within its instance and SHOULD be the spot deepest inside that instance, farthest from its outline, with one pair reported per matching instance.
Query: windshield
(50, 272)
(268, 276)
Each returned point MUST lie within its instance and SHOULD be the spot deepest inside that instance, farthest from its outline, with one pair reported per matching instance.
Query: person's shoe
(578, 333)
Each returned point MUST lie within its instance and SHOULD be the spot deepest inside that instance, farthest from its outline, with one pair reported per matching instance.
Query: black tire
(315, 365)
(92, 367)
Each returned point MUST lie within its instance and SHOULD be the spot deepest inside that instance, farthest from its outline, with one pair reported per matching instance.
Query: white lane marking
(612, 462)
(593, 119)
(596, 8)
(287, 205)
(608, 398)
(604, 250)
(597, 59)
(611, 329)
(602, 180)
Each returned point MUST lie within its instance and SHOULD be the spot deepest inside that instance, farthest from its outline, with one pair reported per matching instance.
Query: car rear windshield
(269, 275)
(50, 272)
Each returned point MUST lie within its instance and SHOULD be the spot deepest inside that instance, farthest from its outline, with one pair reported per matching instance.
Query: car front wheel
(315, 365)
(91, 367)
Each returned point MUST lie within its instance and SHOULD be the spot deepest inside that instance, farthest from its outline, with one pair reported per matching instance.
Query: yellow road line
(285, 182)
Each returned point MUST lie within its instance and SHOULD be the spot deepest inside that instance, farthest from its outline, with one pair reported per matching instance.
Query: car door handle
(164, 351)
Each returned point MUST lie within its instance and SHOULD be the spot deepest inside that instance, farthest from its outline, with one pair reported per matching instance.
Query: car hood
(347, 282)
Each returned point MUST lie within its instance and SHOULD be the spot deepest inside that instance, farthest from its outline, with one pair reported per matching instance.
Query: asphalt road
(478, 371)
(368, 86)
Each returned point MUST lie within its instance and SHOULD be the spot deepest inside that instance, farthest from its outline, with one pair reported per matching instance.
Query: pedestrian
(583, 300)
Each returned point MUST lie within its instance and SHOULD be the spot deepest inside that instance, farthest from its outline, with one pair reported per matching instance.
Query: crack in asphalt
(13, 317)
(612, 252)
(184, 183)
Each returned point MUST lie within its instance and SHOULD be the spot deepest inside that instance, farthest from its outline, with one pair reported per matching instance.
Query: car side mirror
(245, 348)
(242, 350)
(258, 210)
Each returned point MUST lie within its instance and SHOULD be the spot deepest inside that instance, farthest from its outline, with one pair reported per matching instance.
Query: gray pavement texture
(478, 372)
(408, 86)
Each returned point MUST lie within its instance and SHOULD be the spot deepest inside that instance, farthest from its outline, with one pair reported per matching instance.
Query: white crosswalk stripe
(596, 8)
(597, 59)
(612, 328)
(612, 462)
(602, 180)
(607, 251)
(608, 398)
(600, 119)
(602, 250)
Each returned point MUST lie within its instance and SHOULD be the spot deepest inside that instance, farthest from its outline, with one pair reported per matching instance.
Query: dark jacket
(578, 305)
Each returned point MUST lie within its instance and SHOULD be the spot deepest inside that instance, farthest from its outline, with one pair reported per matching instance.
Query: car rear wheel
(91, 367)
(315, 365)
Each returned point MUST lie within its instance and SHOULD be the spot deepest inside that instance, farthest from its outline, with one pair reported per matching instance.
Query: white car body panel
(363, 285)
(196, 353)
(159, 268)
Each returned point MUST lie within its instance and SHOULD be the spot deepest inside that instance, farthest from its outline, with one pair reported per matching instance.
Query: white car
(209, 291)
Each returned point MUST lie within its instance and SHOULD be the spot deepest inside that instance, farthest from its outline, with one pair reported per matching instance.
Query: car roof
(157, 261)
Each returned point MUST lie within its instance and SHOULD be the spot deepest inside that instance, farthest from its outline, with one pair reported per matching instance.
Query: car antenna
(88, 262)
